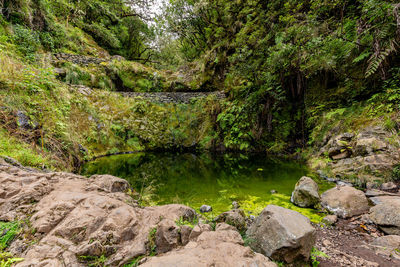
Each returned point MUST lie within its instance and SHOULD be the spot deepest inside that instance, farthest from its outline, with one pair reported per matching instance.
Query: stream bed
(254, 181)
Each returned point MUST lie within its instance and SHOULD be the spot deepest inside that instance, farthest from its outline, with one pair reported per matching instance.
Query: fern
(377, 59)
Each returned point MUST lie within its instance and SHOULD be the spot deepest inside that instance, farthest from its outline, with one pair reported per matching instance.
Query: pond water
(215, 180)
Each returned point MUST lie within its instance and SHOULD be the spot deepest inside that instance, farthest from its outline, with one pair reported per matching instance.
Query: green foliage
(27, 41)
(58, 25)
(7, 260)
(135, 262)
(282, 61)
(181, 221)
(9, 231)
(315, 254)
(22, 152)
(396, 173)
(151, 245)
(94, 261)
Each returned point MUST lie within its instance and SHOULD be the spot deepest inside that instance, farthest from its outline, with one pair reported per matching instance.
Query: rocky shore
(71, 220)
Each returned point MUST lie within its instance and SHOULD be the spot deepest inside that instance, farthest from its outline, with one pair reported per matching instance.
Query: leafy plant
(94, 261)
(315, 254)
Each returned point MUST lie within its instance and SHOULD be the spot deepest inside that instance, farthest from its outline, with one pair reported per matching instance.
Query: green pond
(215, 180)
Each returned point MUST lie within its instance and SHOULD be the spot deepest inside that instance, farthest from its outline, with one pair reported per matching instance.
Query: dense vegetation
(286, 62)
(291, 70)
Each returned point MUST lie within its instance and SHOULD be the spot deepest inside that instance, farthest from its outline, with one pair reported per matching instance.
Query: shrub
(27, 41)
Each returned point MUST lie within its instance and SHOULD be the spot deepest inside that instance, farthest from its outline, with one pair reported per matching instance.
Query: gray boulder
(282, 234)
(388, 246)
(387, 215)
(305, 193)
(345, 201)
(388, 241)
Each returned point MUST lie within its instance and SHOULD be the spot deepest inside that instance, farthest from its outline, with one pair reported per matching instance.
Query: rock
(205, 208)
(384, 199)
(387, 216)
(109, 183)
(23, 120)
(167, 236)
(305, 193)
(12, 161)
(235, 205)
(365, 219)
(368, 158)
(282, 234)
(60, 72)
(185, 231)
(198, 230)
(330, 219)
(341, 183)
(74, 215)
(378, 193)
(219, 248)
(365, 146)
(388, 241)
(387, 245)
(337, 147)
(343, 155)
(236, 218)
(345, 201)
(224, 227)
(92, 249)
(389, 186)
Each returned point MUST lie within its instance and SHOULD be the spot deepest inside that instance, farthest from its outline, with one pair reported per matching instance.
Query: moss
(255, 206)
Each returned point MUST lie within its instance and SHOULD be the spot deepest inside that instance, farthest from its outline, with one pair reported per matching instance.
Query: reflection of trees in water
(181, 178)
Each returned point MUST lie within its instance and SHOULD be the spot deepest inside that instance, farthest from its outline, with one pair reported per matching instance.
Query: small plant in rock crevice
(315, 254)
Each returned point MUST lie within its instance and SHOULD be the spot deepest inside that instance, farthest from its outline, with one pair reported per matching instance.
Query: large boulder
(345, 201)
(387, 215)
(282, 234)
(222, 248)
(388, 241)
(388, 246)
(305, 193)
(75, 216)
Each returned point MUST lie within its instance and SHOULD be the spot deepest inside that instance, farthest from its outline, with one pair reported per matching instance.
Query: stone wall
(173, 97)
(83, 60)
(78, 59)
